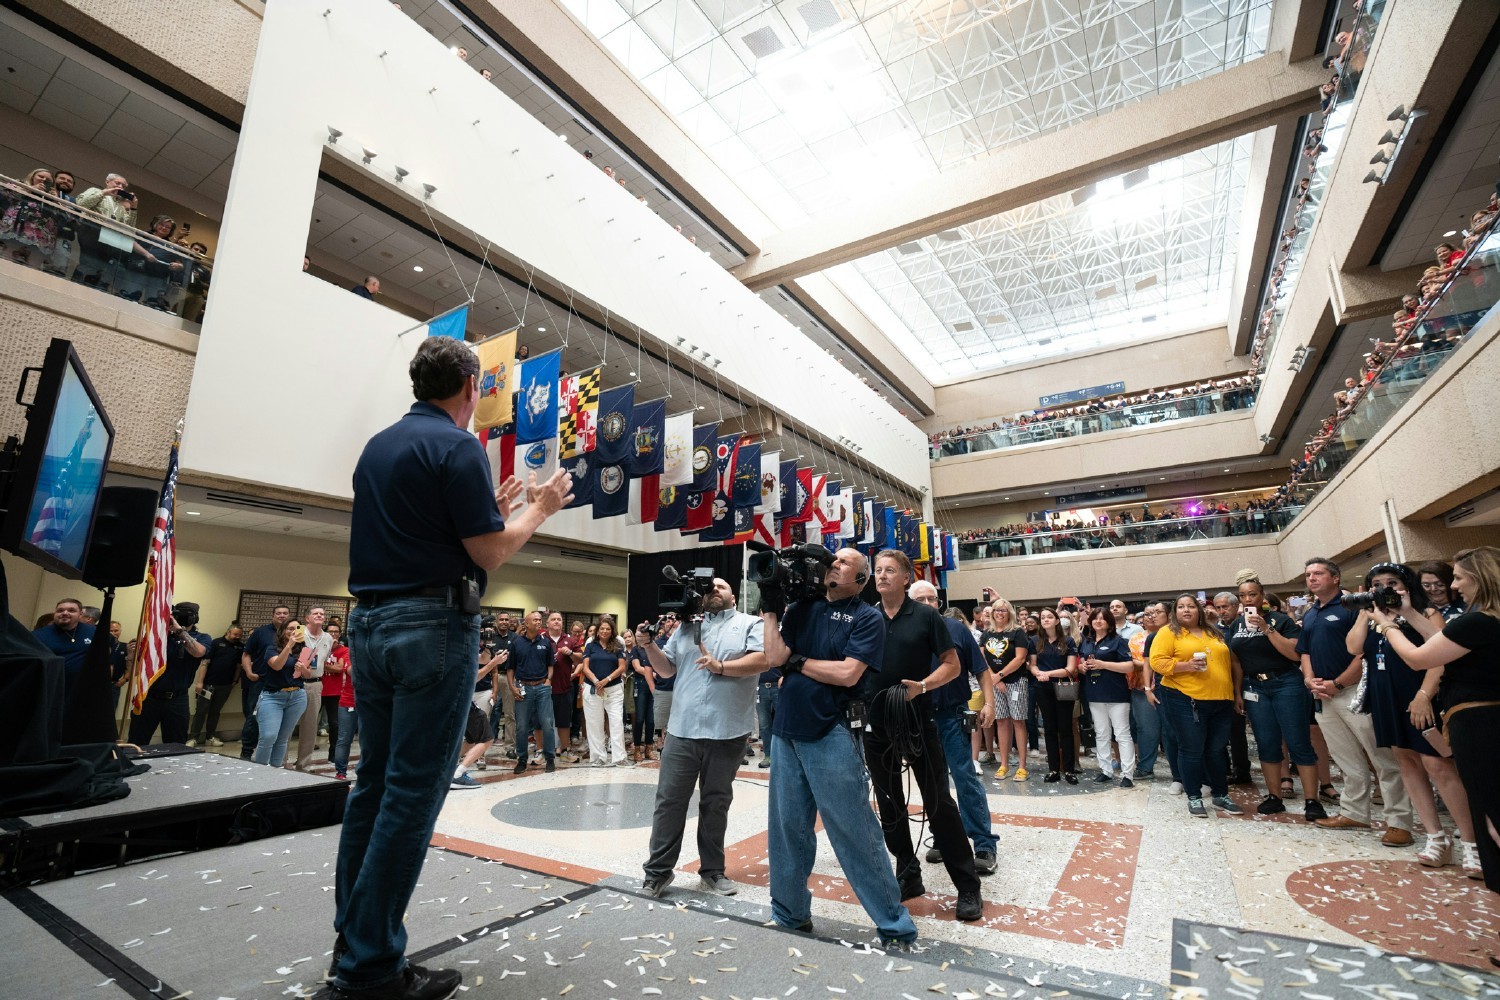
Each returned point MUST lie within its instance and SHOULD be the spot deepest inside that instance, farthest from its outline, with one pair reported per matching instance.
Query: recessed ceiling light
(1007, 498)
(1451, 232)
(1226, 470)
(1046, 493)
(701, 407)
(541, 329)
(632, 374)
(191, 513)
(536, 560)
(1162, 478)
(417, 268)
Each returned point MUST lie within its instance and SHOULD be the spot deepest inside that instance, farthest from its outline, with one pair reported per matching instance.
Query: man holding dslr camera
(825, 647)
(718, 662)
(166, 703)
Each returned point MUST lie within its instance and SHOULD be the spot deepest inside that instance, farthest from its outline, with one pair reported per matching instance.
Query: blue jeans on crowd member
(827, 778)
(1281, 713)
(278, 712)
(973, 806)
(348, 726)
(250, 729)
(765, 713)
(1201, 729)
(535, 712)
(1145, 726)
(416, 658)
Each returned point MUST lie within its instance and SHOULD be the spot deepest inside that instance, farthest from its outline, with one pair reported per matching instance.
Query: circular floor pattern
(1405, 908)
(622, 805)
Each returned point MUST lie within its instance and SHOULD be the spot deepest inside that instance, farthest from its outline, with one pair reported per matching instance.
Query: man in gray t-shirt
(717, 663)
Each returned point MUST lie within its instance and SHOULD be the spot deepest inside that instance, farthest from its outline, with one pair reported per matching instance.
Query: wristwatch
(793, 664)
(1337, 685)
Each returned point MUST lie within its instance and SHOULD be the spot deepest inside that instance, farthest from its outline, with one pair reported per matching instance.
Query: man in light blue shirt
(717, 663)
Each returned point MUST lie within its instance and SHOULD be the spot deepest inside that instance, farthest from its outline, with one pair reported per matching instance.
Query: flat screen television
(55, 482)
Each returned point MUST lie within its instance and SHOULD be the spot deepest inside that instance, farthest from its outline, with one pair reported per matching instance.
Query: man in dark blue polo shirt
(259, 647)
(1331, 672)
(949, 703)
(69, 637)
(426, 528)
(166, 703)
(533, 655)
(824, 649)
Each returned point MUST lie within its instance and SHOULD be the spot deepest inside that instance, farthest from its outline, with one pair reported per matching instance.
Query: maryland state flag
(497, 381)
(578, 414)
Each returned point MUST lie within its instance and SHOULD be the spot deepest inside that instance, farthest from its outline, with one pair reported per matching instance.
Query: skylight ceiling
(810, 104)
(1144, 254)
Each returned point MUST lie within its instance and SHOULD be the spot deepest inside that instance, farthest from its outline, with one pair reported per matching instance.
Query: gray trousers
(711, 765)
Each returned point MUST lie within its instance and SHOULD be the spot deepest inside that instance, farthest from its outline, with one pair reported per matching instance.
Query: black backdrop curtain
(644, 573)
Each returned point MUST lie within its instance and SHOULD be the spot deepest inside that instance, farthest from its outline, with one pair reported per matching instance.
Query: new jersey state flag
(497, 381)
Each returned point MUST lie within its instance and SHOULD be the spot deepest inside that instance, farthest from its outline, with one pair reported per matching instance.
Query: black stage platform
(188, 801)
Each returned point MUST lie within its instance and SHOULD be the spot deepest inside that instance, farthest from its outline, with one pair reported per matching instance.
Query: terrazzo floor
(1094, 882)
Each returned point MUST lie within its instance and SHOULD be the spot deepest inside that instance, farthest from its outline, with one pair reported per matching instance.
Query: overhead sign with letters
(1079, 395)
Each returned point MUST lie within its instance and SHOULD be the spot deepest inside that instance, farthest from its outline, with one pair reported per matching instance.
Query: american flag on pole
(161, 570)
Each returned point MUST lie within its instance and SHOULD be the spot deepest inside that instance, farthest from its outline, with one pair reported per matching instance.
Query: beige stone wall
(140, 360)
(1141, 366)
(202, 48)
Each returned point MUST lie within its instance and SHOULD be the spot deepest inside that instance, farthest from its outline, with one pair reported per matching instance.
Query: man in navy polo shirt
(533, 656)
(69, 637)
(1331, 673)
(824, 649)
(166, 703)
(426, 528)
(949, 703)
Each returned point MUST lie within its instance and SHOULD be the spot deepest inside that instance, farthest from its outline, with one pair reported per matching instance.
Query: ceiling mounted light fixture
(370, 154)
(333, 135)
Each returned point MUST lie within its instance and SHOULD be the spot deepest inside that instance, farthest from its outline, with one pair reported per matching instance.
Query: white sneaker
(1175, 788)
(978, 767)
(214, 741)
(191, 743)
(985, 757)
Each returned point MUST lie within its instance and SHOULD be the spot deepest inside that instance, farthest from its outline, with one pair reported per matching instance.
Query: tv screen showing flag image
(61, 467)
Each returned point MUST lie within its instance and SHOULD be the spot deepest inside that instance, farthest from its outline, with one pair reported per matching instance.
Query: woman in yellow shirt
(1197, 694)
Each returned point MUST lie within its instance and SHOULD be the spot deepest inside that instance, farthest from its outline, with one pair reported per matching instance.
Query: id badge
(1380, 661)
(1251, 696)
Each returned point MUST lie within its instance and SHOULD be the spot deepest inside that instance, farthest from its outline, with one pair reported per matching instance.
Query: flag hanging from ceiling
(645, 498)
(885, 527)
(705, 476)
(846, 513)
(648, 427)
(615, 408)
(744, 526)
(924, 541)
(450, 324)
(793, 532)
(770, 482)
(700, 511)
(825, 511)
(677, 450)
(867, 537)
(804, 496)
(726, 454)
(500, 448)
(497, 381)
(787, 495)
(537, 417)
(611, 489)
(671, 510)
(747, 476)
(161, 576)
(857, 517)
(765, 528)
(578, 402)
(539, 458)
(581, 468)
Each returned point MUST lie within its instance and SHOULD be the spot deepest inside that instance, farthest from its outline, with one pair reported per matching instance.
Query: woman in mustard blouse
(1197, 693)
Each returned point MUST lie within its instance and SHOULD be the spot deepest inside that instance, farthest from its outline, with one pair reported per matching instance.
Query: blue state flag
(611, 489)
(450, 324)
(788, 476)
(671, 510)
(747, 476)
(648, 439)
(705, 471)
(536, 414)
(581, 468)
(612, 437)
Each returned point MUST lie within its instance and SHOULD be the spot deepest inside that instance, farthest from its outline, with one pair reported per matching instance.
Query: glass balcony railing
(1240, 523)
(1237, 394)
(1322, 136)
(45, 233)
(1405, 365)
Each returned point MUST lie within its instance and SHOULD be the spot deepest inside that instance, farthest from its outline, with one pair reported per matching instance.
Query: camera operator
(825, 647)
(166, 703)
(902, 732)
(950, 705)
(717, 671)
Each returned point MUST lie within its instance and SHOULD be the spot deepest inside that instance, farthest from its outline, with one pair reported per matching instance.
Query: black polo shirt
(421, 487)
(223, 662)
(260, 646)
(913, 636)
(530, 659)
(182, 666)
(1325, 629)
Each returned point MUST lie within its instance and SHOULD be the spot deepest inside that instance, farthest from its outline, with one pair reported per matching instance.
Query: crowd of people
(1372, 683)
(1105, 413)
(1179, 521)
(83, 238)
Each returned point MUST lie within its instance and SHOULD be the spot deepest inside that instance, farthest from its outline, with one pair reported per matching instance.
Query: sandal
(1328, 793)
(1288, 789)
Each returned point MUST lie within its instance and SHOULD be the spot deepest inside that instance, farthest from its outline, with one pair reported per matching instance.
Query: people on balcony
(29, 224)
